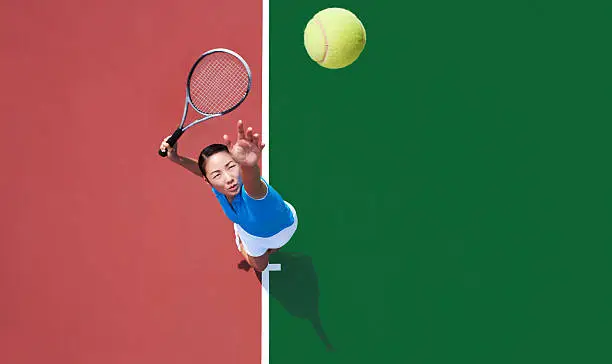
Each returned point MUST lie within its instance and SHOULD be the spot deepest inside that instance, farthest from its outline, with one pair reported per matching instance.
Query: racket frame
(188, 102)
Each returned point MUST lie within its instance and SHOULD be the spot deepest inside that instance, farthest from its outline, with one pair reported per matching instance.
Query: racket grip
(172, 141)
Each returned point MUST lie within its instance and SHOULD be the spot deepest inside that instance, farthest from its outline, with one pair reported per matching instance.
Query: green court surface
(452, 186)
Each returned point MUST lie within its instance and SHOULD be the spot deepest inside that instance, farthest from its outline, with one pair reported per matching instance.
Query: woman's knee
(259, 263)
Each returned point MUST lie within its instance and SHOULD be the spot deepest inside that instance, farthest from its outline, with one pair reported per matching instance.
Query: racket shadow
(296, 288)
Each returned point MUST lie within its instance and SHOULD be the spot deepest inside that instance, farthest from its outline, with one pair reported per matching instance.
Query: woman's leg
(258, 263)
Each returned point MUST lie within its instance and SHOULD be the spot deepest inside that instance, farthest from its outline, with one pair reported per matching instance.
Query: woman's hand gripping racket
(218, 82)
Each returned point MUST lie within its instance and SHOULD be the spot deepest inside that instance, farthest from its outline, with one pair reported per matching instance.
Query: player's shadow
(296, 288)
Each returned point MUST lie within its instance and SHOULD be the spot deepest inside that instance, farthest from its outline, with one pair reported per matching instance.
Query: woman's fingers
(227, 141)
(240, 130)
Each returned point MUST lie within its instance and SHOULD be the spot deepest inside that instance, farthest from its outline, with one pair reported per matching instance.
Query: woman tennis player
(263, 221)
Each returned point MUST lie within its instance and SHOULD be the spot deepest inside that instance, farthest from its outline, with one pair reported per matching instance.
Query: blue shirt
(262, 218)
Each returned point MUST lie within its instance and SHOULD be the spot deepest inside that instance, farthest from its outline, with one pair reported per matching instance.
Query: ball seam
(324, 39)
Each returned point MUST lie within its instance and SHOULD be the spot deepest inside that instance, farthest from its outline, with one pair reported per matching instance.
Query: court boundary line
(265, 90)
(265, 311)
(265, 172)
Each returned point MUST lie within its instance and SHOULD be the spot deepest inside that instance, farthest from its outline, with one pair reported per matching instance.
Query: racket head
(218, 82)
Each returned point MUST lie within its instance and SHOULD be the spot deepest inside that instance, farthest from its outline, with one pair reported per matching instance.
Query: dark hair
(207, 152)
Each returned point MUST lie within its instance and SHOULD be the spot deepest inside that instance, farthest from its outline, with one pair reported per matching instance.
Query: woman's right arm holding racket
(190, 164)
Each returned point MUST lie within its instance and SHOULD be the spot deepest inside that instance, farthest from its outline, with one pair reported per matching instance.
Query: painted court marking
(265, 131)
(265, 89)
(265, 312)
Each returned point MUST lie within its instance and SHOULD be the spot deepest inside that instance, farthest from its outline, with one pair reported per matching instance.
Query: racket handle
(172, 141)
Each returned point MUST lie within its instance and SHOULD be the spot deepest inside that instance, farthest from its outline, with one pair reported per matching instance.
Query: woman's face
(223, 173)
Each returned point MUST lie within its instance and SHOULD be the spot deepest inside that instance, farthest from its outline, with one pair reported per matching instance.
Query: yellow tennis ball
(334, 38)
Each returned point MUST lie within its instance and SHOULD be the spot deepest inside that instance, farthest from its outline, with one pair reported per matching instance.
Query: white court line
(265, 172)
(265, 312)
(265, 90)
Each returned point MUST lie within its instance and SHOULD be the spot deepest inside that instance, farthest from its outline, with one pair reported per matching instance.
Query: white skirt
(256, 246)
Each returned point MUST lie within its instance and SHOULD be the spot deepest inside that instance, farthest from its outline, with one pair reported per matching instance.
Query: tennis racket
(218, 83)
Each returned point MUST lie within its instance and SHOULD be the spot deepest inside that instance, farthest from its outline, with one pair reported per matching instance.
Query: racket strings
(219, 82)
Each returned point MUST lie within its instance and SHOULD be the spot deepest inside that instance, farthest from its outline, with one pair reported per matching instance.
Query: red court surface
(110, 254)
